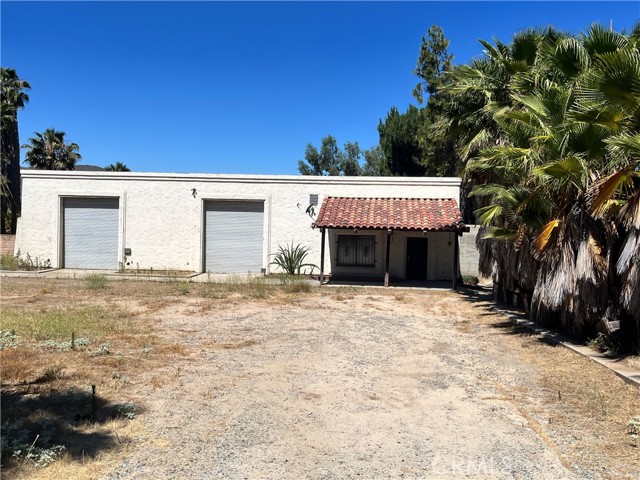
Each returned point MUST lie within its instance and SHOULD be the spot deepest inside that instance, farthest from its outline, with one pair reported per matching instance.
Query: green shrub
(290, 258)
(20, 262)
(470, 280)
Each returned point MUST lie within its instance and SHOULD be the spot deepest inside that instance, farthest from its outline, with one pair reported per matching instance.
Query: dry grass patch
(52, 424)
(579, 407)
(59, 323)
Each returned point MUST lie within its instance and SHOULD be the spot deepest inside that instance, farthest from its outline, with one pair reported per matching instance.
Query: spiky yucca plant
(290, 258)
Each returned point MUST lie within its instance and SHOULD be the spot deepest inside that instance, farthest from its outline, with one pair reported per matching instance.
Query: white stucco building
(232, 223)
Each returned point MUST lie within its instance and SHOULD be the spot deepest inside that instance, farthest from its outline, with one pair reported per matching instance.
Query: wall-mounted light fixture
(194, 192)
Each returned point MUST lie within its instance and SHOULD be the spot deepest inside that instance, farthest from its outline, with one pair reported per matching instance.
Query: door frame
(61, 226)
(426, 258)
(266, 226)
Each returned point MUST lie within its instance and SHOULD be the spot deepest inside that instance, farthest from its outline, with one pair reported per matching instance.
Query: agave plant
(290, 258)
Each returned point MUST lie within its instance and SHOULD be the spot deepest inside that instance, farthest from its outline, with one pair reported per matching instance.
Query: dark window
(313, 199)
(356, 250)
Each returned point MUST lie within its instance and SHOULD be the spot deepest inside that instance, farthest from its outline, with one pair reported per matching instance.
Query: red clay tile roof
(433, 214)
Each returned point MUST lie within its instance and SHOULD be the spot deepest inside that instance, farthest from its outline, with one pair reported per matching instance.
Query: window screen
(356, 250)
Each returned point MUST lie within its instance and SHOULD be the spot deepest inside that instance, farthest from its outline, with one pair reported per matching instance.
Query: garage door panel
(91, 233)
(233, 236)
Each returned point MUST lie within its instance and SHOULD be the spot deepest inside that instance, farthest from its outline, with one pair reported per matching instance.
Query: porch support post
(456, 254)
(322, 231)
(386, 261)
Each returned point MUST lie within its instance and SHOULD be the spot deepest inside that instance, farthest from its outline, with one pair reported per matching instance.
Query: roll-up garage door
(91, 233)
(233, 236)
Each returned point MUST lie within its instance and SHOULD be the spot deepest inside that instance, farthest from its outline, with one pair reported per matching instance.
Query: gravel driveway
(333, 386)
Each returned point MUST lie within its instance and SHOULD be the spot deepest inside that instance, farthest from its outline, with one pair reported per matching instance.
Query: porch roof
(425, 214)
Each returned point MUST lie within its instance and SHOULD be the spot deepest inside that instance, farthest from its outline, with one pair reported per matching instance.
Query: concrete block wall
(7, 244)
(469, 255)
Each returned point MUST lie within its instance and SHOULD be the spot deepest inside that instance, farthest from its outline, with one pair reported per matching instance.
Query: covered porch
(396, 240)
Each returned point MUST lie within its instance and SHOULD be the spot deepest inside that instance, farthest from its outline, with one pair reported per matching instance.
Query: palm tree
(117, 167)
(48, 151)
(13, 99)
(549, 127)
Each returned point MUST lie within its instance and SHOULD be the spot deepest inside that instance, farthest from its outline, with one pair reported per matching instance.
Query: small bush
(602, 343)
(79, 344)
(183, 288)
(96, 281)
(470, 280)
(103, 349)
(8, 339)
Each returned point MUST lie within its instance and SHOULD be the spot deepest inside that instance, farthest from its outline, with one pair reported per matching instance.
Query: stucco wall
(439, 254)
(161, 220)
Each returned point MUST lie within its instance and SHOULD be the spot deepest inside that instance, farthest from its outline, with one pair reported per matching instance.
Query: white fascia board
(226, 178)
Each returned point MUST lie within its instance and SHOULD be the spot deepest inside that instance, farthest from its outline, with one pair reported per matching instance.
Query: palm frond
(541, 240)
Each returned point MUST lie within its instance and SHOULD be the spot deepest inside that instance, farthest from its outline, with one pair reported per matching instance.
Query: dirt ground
(352, 383)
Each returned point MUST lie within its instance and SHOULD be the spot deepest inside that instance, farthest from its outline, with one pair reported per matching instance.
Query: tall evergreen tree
(330, 159)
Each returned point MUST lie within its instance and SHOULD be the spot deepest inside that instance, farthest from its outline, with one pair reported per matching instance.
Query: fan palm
(48, 151)
(551, 138)
(117, 167)
(13, 99)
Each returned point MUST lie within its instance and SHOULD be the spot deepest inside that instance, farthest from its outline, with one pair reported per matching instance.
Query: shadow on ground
(488, 308)
(37, 419)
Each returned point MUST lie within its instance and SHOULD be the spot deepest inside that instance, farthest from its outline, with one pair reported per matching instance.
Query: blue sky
(241, 87)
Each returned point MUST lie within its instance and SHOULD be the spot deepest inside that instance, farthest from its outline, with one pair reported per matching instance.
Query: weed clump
(96, 281)
(8, 339)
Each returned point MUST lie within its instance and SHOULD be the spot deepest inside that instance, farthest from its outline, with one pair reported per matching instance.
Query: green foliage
(547, 127)
(117, 167)
(290, 258)
(18, 442)
(65, 346)
(183, 288)
(59, 323)
(330, 159)
(126, 410)
(103, 349)
(434, 62)
(8, 339)
(20, 262)
(470, 280)
(399, 142)
(96, 281)
(13, 99)
(48, 151)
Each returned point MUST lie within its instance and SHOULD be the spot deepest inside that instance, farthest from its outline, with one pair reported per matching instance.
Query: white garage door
(91, 233)
(233, 236)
